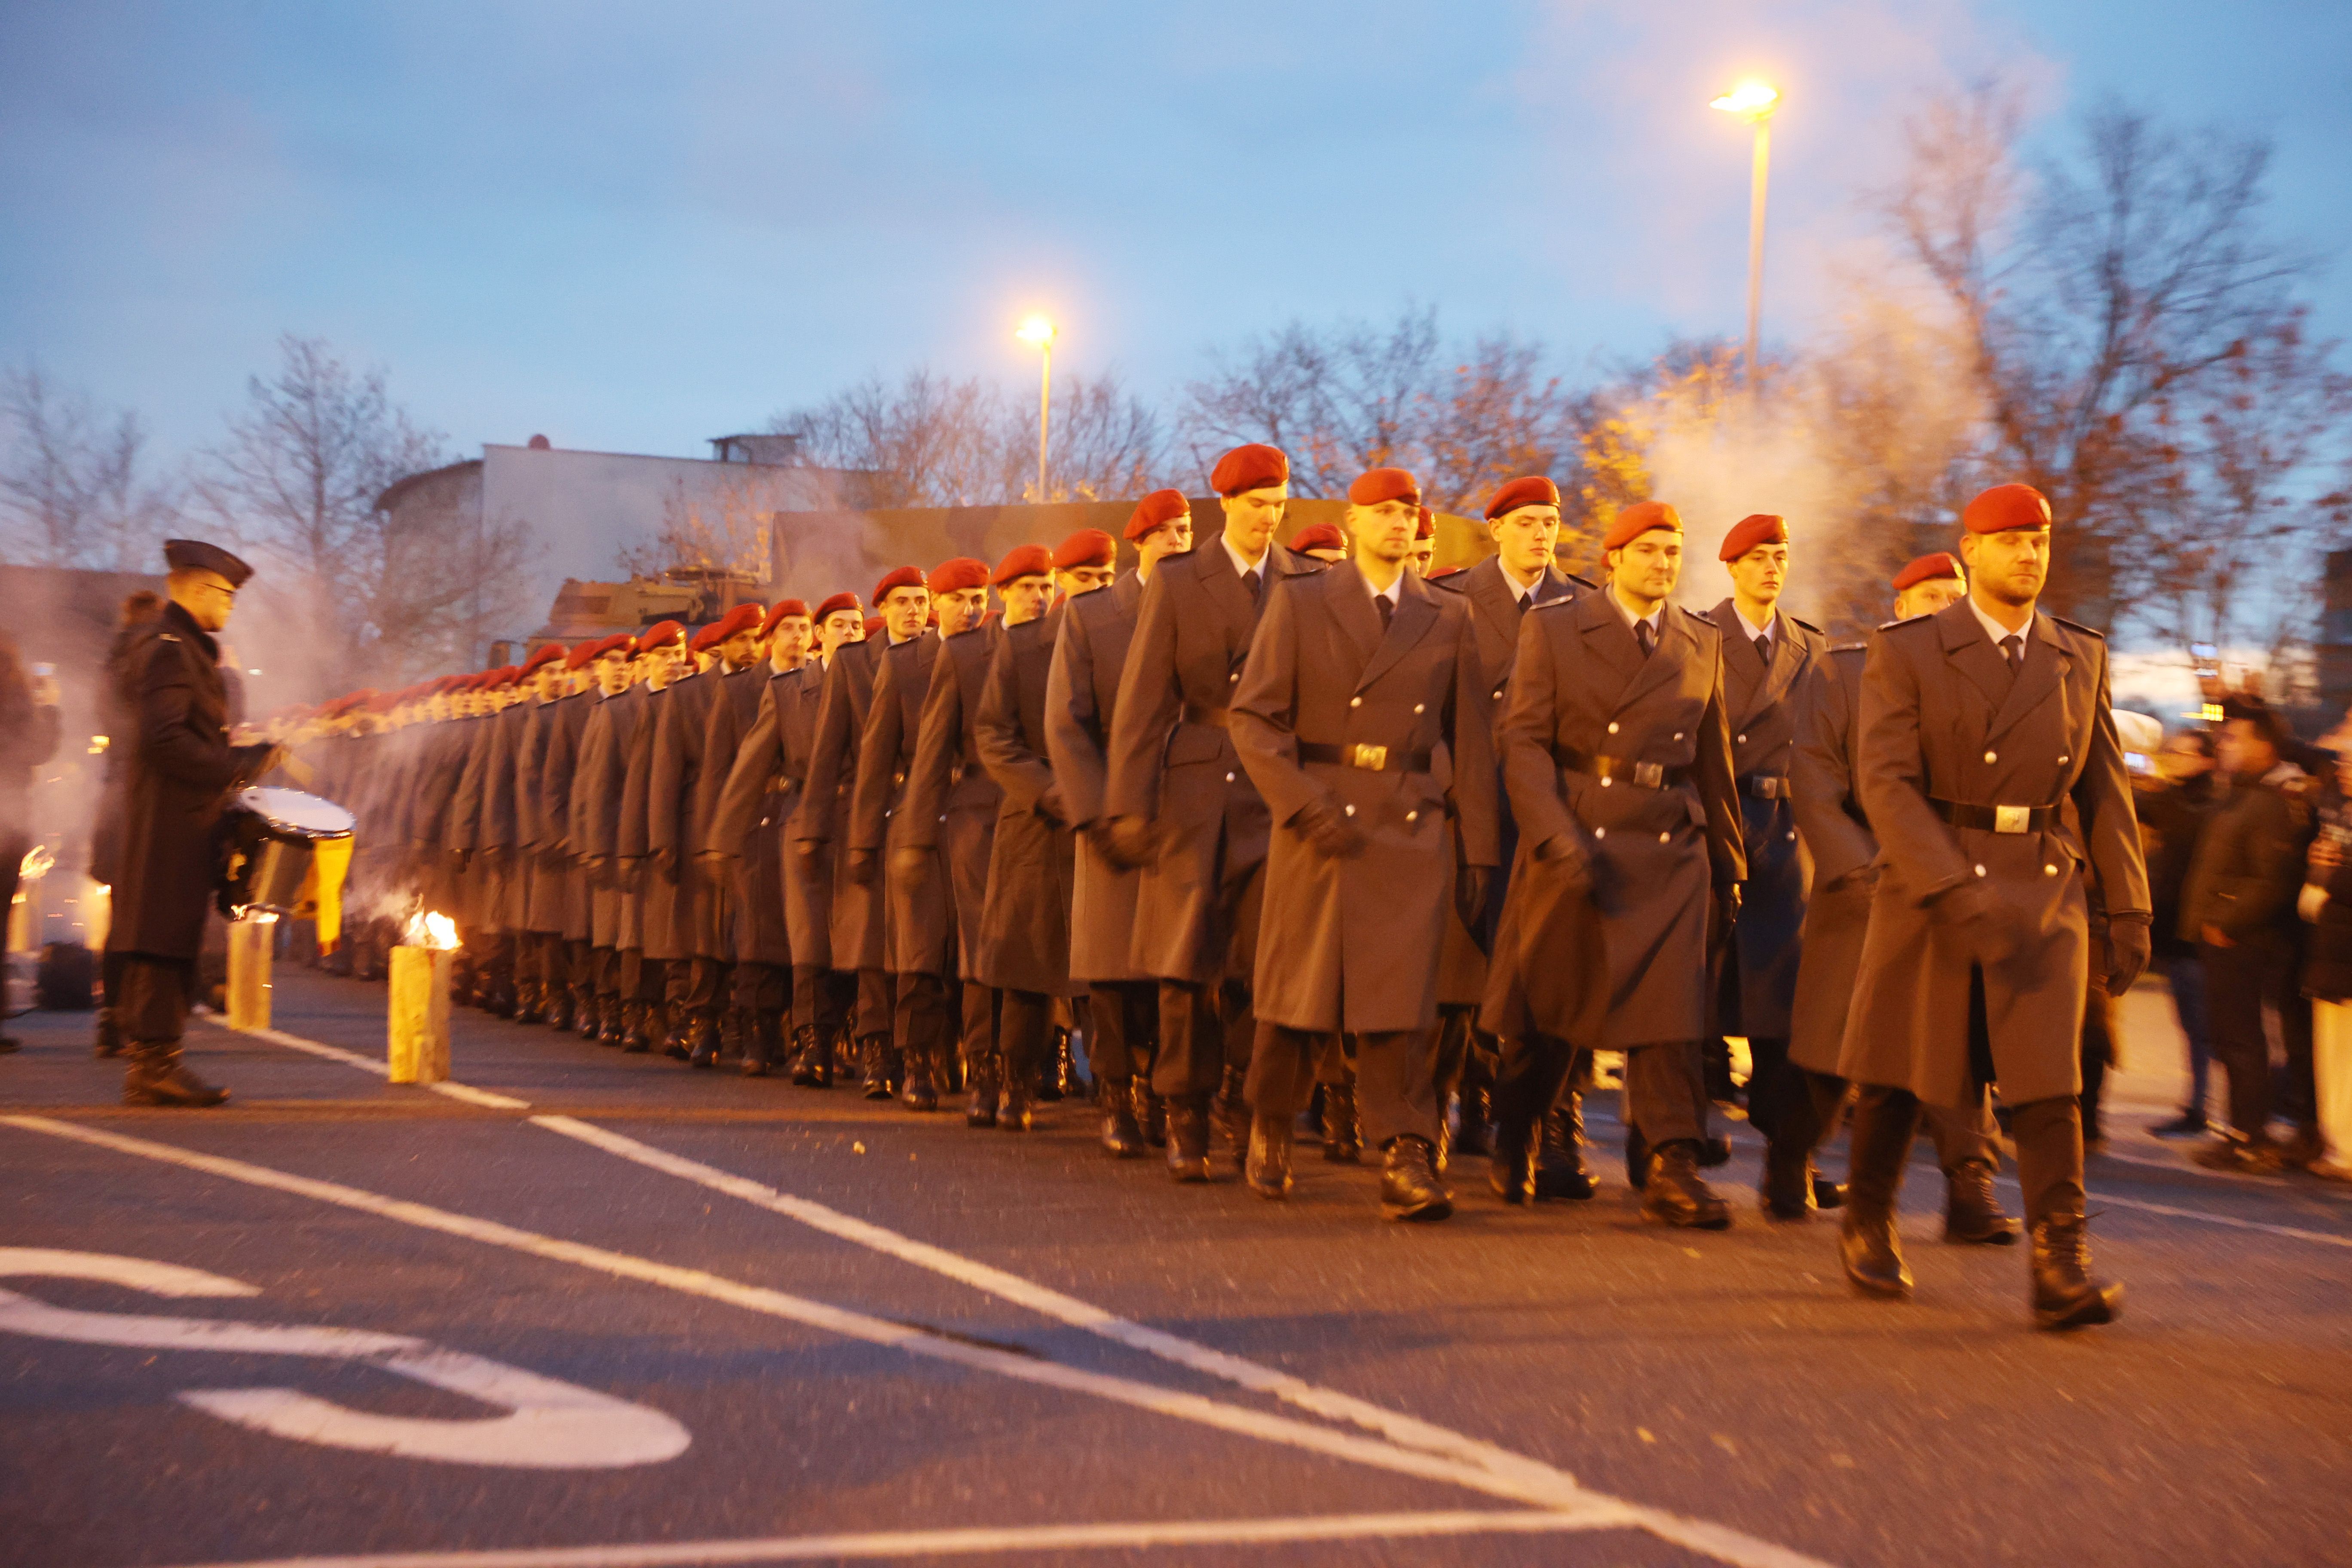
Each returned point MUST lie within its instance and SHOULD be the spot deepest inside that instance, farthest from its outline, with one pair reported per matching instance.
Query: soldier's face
(789, 644)
(841, 626)
(2245, 751)
(1025, 598)
(1384, 532)
(1424, 554)
(2010, 566)
(612, 673)
(1525, 537)
(962, 610)
(1649, 567)
(1759, 575)
(206, 597)
(1926, 598)
(741, 648)
(1252, 517)
(1083, 579)
(905, 610)
(1170, 538)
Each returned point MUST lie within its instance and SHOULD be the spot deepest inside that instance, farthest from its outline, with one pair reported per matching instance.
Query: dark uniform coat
(856, 914)
(1762, 702)
(1494, 616)
(1081, 696)
(1173, 764)
(684, 912)
(1025, 922)
(1824, 777)
(919, 927)
(599, 812)
(178, 773)
(1943, 720)
(746, 819)
(560, 893)
(732, 713)
(1623, 962)
(951, 803)
(126, 664)
(1351, 943)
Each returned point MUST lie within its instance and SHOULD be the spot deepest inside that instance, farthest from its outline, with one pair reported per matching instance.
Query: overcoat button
(1600, 832)
(1606, 781)
(1235, 676)
(1412, 816)
(2049, 871)
(1229, 778)
(1679, 734)
(1792, 837)
(1665, 838)
(1498, 694)
(1418, 707)
(1612, 726)
(1352, 811)
(1355, 702)
(1981, 871)
(2061, 762)
(1742, 740)
(1993, 756)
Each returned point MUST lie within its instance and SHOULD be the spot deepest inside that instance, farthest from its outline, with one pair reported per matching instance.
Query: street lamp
(1754, 102)
(1038, 331)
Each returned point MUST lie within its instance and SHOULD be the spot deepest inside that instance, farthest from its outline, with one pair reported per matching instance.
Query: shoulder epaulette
(1808, 627)
(1701, 617)
(1552, 605)
(1586, 583)
(1849, 648)
(1913, 621)
(2078, 627)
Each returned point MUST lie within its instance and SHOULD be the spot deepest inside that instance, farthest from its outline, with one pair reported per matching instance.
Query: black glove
(665, 864)
(716, 866)
(1471, 885)
(1974, 910)
(2128, 950)
(1326, 828)
(1123, 841)
(861, 866)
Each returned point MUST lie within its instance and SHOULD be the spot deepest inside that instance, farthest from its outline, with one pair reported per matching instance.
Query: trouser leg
(1192, 1056)
(2298, 1089)
(1529, 1075)
(2184, 975)
(1396, 1085)
(981, 1006)
(1772, 1083)
(1963, 1135)
(1664, 1090)
(1024, 1024)
(155, 993)
(877, 1004)
(1237, 1017)
(2048, 1138)
(2234, 993)
(1282, 1069)
(1119, 1019)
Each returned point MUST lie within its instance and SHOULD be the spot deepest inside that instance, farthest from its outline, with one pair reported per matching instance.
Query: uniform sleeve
(1264, 715)
(813, 818)
(1525, 737)
(173, 740)
(1719, 785)
(938, 739)
(722, 737)
(1150, 700)
(674, 753)
(1914, 840)
(878, 758)
(1820, 785)
(1072, 725)
(1470, 736)
(1020, 772)
(2110, 825)
(757, 762)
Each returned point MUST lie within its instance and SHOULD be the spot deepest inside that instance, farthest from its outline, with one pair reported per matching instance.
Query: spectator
(2173, 807)
(2239, 906)
(28, 737)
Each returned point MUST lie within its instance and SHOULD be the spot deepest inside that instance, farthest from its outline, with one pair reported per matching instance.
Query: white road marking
(487, 1099)
(1566, 1501)
(942, 1542)
(549, 1425)
(2099, 1200)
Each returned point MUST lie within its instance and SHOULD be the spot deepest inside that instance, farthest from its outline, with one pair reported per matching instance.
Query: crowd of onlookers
(2248, 840)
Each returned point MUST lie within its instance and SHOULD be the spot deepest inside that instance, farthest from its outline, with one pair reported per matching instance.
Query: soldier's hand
(665, 864)
(1564, 861)
(1327, 828)
(716, 864)
(1972, 909)
(1050, 806)
(1471, 885)
(1123, 841)
(861, 866)
(2127, 952)
(1726, 903)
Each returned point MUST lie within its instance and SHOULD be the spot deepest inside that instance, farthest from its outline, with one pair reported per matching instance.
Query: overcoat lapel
(1415, 614)
(1973, 655)
(2045, 666)
(1676, 642)
(1350, 598)
(1490, 596)
(1745, 676)
(1606, 633)
(1224, 583)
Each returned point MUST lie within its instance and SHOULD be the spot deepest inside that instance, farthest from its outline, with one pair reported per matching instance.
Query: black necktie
(1387, 610)
(1254, 583)
(2012, 650)
(1646, 638)
(1764, 650)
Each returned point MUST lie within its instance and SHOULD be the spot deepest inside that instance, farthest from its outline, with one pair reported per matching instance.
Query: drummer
(177, 778)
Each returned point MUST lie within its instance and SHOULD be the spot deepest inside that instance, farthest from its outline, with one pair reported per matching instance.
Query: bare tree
(73, 483)
(296, 480)
(720, 529)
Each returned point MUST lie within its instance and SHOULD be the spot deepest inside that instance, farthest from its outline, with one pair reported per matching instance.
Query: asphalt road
(589, 1310)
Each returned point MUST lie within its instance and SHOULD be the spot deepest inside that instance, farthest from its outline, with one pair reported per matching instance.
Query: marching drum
(268, 839)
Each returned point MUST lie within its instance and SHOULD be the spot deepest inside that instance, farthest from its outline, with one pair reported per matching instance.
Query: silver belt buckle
(2012, 818)
(1650, 775)
(1374, 758)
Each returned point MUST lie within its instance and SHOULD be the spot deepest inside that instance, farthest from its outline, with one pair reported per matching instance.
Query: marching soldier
(534, 890)
(1081, 698)
(1981, 725)
(1768, 658)
(1425, 545)
(738, 642)
(753, 868)
(1618, 760)
(1824, 775)
(1179, 806)
(569, 979)
(1320, 542)
(949, 807)
(1355, 677)
(593, 820)
(662, 660)
(856, 926)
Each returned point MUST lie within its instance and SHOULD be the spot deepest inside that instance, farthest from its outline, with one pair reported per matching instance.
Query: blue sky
(634, 226)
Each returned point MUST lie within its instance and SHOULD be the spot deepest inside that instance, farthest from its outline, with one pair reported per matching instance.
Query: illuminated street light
(1754, 102)
(1039, 331)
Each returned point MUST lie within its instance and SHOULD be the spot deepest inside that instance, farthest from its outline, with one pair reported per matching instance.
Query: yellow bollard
(249, 946)
(420, 1014)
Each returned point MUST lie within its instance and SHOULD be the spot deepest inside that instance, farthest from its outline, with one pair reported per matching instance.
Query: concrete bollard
(251, 942)
(419, 1031)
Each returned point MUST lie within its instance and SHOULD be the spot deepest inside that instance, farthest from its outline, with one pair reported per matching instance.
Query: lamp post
(1754, 102)
(1038, 331)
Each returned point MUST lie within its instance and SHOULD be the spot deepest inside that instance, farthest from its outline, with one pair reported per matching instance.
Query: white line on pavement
(461, 1091)
(940, 1543)
(1604, 1513)
(2109, 1200)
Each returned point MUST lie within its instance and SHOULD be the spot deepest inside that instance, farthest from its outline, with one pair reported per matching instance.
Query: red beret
(1638, 520)
(782, 609)
(955, 576)
(1089, 547)
(505, 675)
(1158, 508)
(1756, 528)
(1022, 561)
(706, 639)
(1444, 572)
(897, 577)
(546, 653)
(1532, 489)
(837, 603)
(1251, 468)
(581, 652)
(1427, 527)
(873, 624)
(1381, 485)
(741, 618)
(2005, 507)
(1319, 536)
(1926, 569)
(660, 635)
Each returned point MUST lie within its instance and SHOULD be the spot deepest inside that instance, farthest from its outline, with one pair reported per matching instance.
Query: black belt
(1194, 714)
(1371, 759)
(1997, 819)
(1765, 786)
(1612, 769)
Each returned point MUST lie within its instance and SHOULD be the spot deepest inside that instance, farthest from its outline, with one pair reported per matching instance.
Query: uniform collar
(1995, 630)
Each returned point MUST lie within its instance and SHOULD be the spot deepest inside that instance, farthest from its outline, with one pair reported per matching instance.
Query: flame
(429, 929)
(97, 745)
(37, 863)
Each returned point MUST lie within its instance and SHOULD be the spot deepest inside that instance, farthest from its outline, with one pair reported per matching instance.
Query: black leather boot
(1150, 1113)
(1561, 1174)
(1231, 1111)
(1677, 1194)
(1972, 1215)
(2064, 1294)
(156, 1076)
(987, 1082)
(590, 1012)
(1188, 1137)
(1122, 1139)
(1880, 1141)
(919, 1090)
(1637, 1159)
(559, 1016)
(1063, 1081)
(1512, 1170)
(874, 1066)
(530, 1007)
(1410, 1188)
(678, 1030)
(1474, 1131)
(1267, 1167)
(807, 1071)
(109, 1037)
(637, 1025)
(1786, 1191)
(1828, 1195)
(1343, 1138)
(702, 1041)
(764, 1044)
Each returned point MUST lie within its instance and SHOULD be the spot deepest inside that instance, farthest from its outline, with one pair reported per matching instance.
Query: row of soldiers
(1275, 827)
